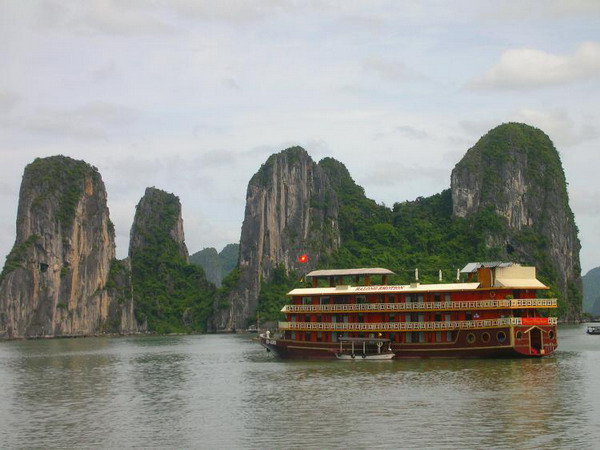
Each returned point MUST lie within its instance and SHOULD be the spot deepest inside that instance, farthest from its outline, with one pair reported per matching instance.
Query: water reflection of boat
(593, 329)
(369, 349)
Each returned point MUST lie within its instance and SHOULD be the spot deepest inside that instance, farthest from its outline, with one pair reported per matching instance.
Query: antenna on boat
(457, 274)
(417, 274)
(440, 274)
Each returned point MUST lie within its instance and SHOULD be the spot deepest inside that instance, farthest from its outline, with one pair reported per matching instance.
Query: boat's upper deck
(383, 289)
(482, 276)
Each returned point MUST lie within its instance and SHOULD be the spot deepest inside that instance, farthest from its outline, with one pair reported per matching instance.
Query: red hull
(460, 348)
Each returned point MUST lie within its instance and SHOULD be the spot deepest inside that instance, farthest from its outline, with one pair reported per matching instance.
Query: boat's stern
(535, 340)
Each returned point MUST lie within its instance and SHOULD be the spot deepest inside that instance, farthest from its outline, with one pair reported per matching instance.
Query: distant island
(217, 265)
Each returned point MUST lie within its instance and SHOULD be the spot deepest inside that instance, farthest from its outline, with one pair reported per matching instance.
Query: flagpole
(303, 259)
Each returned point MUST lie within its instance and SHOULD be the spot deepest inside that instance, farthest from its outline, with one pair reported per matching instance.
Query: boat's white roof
(349, 272)
(383, 289)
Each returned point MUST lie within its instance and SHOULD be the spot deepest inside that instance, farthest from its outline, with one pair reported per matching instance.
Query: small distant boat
(593, 329)
(371, 349)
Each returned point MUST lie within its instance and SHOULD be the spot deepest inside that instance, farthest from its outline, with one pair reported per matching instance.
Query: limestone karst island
(507, 201)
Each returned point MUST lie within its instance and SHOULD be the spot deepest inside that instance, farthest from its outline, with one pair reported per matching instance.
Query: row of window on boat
(408, 317)
(409, 337)
(386, 298)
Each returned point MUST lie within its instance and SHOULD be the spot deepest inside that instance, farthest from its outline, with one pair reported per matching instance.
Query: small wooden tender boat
(367, 349)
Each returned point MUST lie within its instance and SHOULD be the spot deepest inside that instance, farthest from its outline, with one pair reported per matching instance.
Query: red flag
(303, 259)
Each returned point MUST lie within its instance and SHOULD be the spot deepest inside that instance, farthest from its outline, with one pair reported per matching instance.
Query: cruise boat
(495, 312)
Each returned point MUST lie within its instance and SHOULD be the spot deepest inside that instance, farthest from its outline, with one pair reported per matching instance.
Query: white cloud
(391, 70)
(104, 73)
(404, 131)
(531, 10)
(585, 204)
(527, 68)
(477, 127)
(228, 10)
(560, 8)
(101, 17)
(412, 132)
(363, 23)
(91, 121)
(231, 84)
(585, 201)
(557, 124)
(388, 175)
(8, 101)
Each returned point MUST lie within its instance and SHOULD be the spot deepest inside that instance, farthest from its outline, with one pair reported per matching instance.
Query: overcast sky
(192, 96)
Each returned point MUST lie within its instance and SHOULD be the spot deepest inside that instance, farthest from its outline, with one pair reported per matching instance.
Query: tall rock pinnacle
(54, 282)
(291, 209)
(158, 214)
(170, 294)
(515, 172)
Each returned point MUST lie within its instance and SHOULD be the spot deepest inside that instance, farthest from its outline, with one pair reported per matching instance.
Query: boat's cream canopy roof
(508, 274)
(517, 276)
(383, 289)
(349, 272)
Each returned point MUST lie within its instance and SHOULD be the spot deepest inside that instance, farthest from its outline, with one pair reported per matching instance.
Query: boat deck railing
(417, 326)
(424, 306)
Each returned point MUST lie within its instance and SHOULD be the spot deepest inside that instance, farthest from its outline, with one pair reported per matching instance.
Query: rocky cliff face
(515, 172)
(156, 213)
(170, 294)
(54, 282)
(291, 209)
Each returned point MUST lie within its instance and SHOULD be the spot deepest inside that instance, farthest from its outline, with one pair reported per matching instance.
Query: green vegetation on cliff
(63, 179)
(16, 257)
(425, 233)
(272, 295)
(229, 283)
(170, 294)
(119, 287)
(419, 234)
(356, 211)
(264, 174)
(229, 257)
(540, 159)
(413, 234)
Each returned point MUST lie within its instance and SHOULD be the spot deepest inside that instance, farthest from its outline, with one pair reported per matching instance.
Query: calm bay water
(225, 391)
